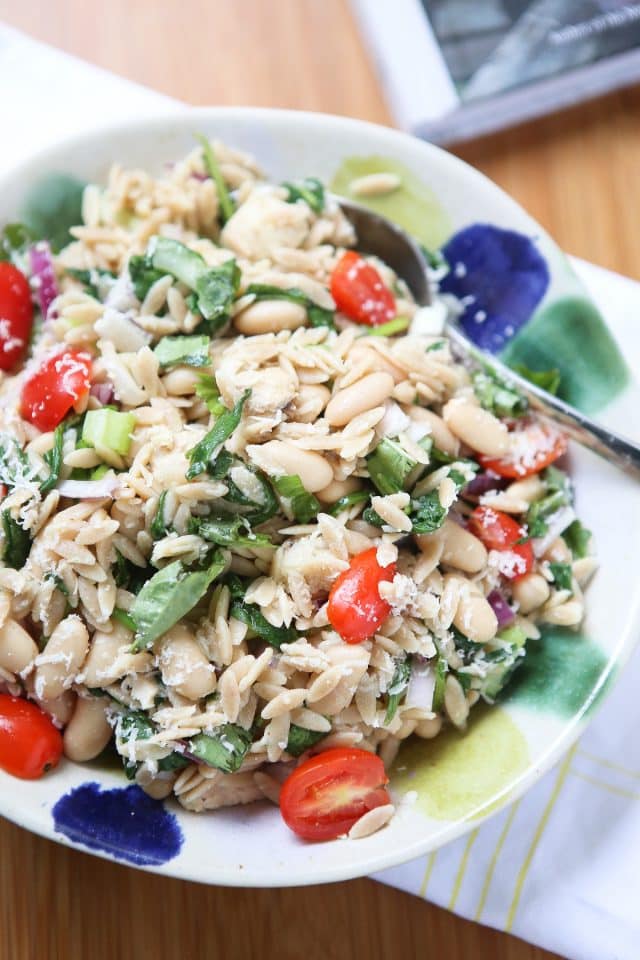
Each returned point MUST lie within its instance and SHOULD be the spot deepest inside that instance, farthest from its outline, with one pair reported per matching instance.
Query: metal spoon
(380, 237)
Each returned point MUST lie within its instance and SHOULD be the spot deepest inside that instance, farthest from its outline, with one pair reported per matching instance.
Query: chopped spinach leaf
(310, 190)
(53, 459)
(168, 596)
(128, 575)
(15, 238)
(301, 739)
(497, 396)
(192, 351)
(123, 618)
(17, 542)
(159, 526)
(577, 538)
(398, 687)
(92, 280)
(303, 504)
(349, 500)
(389, 466)
(436, 345)
(14, 463)
(143, 275)
(175, 761)
(207, 390)
(213, 169)
(202, 457)
(216, 289)
(225, 749)
(257, 511)
(558, 494)
(250, 614)
(427, 513)
(227, 532)
(562, 575)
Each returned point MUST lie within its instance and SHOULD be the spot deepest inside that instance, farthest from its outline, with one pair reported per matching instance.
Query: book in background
(455, 69)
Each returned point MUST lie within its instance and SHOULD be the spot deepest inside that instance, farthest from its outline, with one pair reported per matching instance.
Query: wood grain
(576, 173)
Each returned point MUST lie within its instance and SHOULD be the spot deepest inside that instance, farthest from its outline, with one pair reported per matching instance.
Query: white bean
(442, 436)
(98, 670)
(338, 488)
(17, 648)
(428, 728)
(184, 666)
(88, 731)
(270, 316)
(475, 619)
(529, 489)
(460, 549)
(311, 400)
(476, 427)
(61, 659)
(313, 470)
(359, 397)
(530, 592)
(60, 709)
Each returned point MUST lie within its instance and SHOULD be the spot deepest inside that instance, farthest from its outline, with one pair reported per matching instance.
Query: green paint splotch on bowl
(52, 207)
(570, 334)
(463, 774)
(562, 673)
(413, 206)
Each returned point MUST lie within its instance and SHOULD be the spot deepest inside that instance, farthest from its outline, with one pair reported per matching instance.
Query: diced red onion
(557, 523)
(103, 392)
(89, 489)
(421, 686)
(196, 175)
(44, 276)
(482, 484)
(504, 613)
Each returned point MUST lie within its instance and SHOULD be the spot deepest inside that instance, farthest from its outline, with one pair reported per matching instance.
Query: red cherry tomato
(534, 445)
(29, 743)
(325, 795)
(359, 291)
(16, 315)
(356, 609)
(60, 381)
(498, 531)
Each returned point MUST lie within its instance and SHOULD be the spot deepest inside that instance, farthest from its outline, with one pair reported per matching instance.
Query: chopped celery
(389, 466)
(108, 429)
(391, 327)
(171, 256)
(193, 351)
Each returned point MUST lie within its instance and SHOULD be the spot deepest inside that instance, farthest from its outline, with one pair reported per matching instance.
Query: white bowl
(452, 783)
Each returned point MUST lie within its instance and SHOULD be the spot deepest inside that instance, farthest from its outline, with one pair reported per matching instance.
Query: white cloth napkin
(559, 867)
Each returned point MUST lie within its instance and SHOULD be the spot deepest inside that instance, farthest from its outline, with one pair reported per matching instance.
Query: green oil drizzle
(463, 774)
(413, 205)
(561, 673)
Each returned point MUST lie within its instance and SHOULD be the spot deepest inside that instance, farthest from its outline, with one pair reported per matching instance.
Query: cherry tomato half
(16, 315)
(29, 743)
(58, 383)
(359, 291)
(325, 795)
(498, 531)
(356, 609)
(534, 445)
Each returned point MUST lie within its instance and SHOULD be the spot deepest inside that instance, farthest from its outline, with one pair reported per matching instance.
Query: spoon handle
(614, 448)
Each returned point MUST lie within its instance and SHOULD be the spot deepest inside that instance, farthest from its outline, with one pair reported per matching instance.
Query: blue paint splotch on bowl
(123, 822)
(500, 276)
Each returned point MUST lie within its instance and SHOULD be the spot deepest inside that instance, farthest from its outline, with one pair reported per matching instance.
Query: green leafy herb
(15, 238)
(53, 459)
(211, 165)
(192, 351)
(317, 316)
(442, 668)
(349, 500)
(175, 761)
(93, 280)
(53, 206)
(159, 527)
(216, 291)
(577, 538)
(14, 463)
(390, 328)
(230, 532)
(370, 516)
(168, 596)
(207, 390)
(497, 396)
(17, 542)
(301, 739)
(143, 275)
(304, 505)
(548, 380)
(389, 466)
(436, 345)
(427, 514)
(398, 687)
(504, 658)
(127, 575)
(255, 511)
(250, 614)
(122, 617)
(562, 575)
(225, 749)
(558, 494)
(310, 190)
(175, 258)
(202, 457)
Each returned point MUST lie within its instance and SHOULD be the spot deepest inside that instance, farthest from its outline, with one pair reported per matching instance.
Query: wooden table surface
(577, 174)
